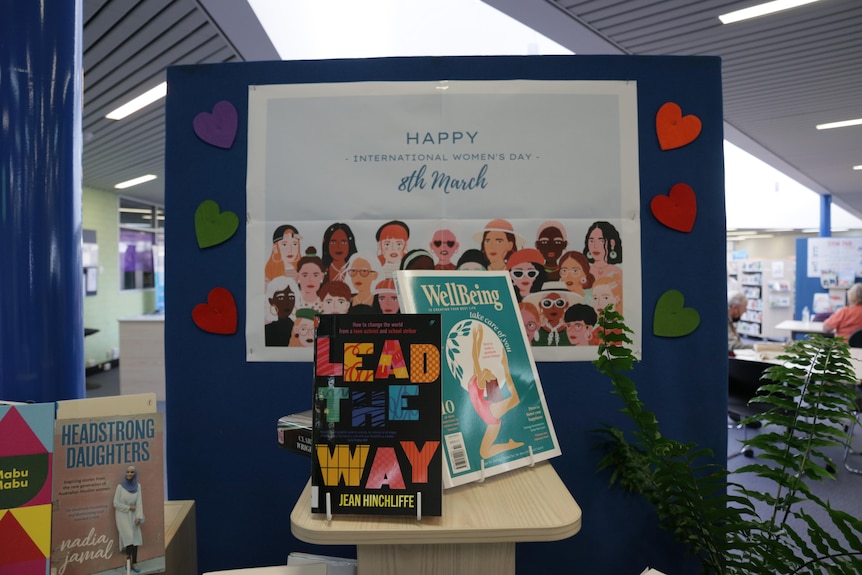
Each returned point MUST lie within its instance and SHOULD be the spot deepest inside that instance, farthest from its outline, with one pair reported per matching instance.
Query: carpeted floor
(843, 492)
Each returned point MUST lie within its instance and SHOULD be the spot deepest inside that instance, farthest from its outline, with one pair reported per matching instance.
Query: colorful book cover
(376, 415)
(26, 451)
(495, 417)
(109, 487)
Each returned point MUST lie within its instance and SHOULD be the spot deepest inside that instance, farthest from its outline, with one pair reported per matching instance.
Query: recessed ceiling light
(841, 124)
(859, 167)
(141, 101)
(135, 182)
(761, 10)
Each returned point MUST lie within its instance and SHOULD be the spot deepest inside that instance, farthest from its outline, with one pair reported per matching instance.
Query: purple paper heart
(218, 128)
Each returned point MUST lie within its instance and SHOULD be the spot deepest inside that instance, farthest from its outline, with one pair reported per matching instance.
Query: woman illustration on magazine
(129, 513)
(488, 401)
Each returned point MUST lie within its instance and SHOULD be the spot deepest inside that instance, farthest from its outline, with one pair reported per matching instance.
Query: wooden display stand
(477, 533)
(181, 548)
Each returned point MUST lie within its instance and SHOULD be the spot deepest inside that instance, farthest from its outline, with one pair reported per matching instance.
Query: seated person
(737, 303)
(847, 319)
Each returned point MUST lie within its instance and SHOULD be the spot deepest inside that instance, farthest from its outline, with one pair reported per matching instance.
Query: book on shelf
(294, 432)
(376, 415)
(26, 452)
(109, 485)
(495, 417)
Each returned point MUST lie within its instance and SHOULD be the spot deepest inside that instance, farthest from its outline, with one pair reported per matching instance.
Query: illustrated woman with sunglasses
(552, 302)
(526, 267)
(603, 248)
(444, 245)
(362, 273)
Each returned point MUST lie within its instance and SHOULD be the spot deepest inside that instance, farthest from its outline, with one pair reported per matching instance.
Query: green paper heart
(213, 227)
(672, 318)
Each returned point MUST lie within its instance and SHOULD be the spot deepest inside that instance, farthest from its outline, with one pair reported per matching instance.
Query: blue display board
(222, 410)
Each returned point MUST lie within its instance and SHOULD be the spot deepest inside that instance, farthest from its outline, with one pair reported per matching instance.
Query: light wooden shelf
(477, 532)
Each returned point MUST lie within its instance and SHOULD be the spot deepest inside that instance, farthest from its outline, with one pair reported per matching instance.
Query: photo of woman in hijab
(129, 514)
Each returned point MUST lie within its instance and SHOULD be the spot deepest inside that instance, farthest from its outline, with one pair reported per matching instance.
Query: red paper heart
(673, 129)
(678, 209)
(218, 315)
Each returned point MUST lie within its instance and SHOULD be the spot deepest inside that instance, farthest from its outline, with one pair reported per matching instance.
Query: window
(141, 229)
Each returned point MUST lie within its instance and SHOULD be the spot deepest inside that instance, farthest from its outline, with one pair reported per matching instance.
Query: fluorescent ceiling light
(141, 101)
(859, 167)
(842, 124)
(761, 10)
(135, 182)
(751, 237)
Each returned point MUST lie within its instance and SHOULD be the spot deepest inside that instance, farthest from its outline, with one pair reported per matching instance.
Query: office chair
(744, 378)
(855, 339)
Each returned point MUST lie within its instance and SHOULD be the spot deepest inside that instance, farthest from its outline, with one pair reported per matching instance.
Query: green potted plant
(731, 529)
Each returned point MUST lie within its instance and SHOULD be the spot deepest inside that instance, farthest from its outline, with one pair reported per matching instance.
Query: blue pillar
(41, 286)
(826, 216)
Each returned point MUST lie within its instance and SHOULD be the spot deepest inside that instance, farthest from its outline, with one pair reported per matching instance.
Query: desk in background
(796, 327)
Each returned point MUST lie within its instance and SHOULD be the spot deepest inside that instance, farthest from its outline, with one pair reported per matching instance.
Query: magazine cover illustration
(495, 417)
(376, 416)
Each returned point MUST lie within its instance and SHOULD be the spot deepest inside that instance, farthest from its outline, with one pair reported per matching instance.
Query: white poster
(839, 259)
(348, 182)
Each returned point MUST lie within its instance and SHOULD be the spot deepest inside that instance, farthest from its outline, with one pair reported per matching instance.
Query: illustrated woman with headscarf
(487, 398)
(129, 513)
